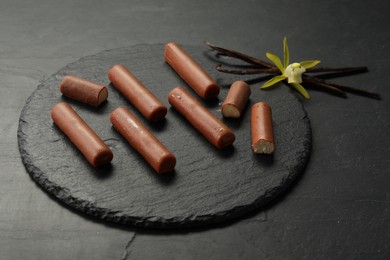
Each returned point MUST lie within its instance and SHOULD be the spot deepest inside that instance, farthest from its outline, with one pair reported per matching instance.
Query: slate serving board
(208, 185)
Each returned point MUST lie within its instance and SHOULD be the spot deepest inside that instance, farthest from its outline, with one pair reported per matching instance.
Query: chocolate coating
(83, 90)
(261, 127)
(81, 135)
(136, 93)
(236, 99)
(190, 71)
(215, 131)
(142, 140)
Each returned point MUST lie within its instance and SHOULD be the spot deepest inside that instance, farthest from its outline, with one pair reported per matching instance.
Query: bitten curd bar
(262, 130)
(83, 90)
(236, 99)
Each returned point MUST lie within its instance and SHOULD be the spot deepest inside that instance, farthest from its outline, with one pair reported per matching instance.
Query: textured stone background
(338, 210)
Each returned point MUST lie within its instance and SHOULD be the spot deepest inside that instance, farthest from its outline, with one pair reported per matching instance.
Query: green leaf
(273, 81)
(275, 59)
(301, 90)
(286, 52)
(309, 63)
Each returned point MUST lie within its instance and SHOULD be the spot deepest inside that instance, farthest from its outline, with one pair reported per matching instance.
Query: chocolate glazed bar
(262, 131)
(236, 99)
(190, 71)
(142, 140)
(136, 93)
(83, 90)
(81, 135)
(215, 131)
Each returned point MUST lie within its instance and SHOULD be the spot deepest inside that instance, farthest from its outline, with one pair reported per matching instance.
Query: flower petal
(301, 90)
(286, 52)
(275, 59)
(309, 63)
(273, 81)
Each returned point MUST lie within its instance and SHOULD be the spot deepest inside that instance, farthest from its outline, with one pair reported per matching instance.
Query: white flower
(294, 72)
(291, 72)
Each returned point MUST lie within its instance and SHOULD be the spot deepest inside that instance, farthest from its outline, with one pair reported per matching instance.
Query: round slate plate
(207, 186)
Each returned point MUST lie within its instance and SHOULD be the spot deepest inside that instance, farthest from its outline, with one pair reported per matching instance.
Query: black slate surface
(207, 186)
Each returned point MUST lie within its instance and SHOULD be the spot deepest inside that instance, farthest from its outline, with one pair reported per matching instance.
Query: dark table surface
(338, 209)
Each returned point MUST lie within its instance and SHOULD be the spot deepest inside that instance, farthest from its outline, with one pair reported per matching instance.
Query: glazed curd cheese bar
(142, 140)
(136, 93)
(81, 135)
(213, 129)
(83, 90)
(262, 130)
(190, 71)
(236, 99)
